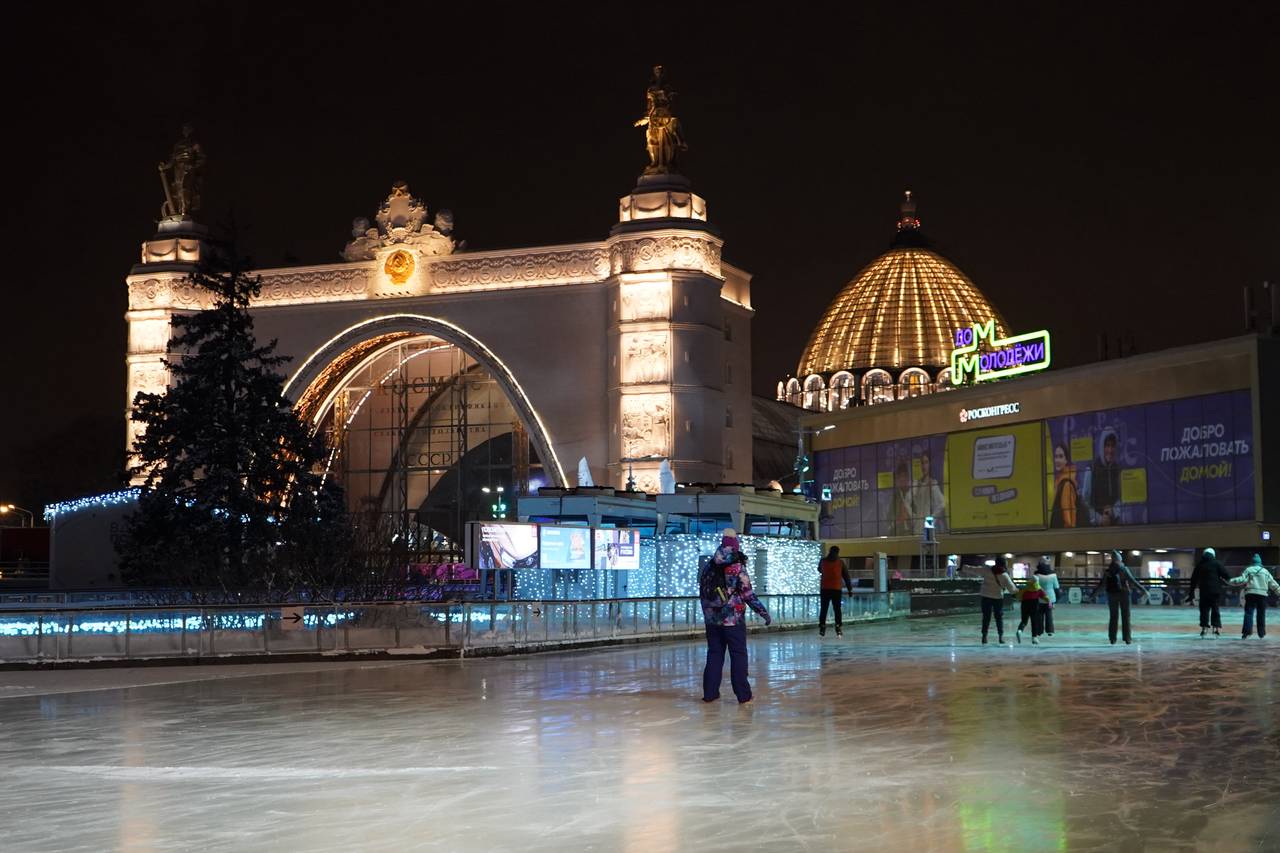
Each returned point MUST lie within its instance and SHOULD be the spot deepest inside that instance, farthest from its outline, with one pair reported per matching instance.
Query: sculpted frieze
(570, 266)
(666, 251)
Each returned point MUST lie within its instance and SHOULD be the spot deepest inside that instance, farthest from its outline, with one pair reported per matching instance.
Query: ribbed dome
(902, 310)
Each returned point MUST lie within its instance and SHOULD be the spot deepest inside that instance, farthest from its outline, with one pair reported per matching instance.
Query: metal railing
(149, 633)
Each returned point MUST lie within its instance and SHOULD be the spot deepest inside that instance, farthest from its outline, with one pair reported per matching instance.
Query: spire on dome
(908, 210)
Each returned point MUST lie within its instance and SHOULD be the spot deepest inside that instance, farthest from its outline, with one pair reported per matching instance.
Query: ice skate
(1204, 632)
(1018, 636)
(839, 633)
(1034, 641)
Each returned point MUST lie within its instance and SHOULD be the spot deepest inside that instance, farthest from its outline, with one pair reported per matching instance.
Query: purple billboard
(1180, 461)
(1172, 462)
(884, 489)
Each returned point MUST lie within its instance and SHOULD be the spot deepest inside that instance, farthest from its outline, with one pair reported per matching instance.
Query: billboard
(1170, 462)
(993, 478)
(563, 547)
(884, 489)
(617, 549)
(1173, 462)
(503, 545)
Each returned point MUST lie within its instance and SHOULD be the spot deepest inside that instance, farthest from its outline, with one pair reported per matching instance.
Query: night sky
(1115, 173)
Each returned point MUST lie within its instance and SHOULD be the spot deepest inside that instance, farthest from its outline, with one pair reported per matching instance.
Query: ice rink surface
(904, 736)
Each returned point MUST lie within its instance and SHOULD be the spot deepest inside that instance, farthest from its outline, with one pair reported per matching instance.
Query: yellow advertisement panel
(994, 477)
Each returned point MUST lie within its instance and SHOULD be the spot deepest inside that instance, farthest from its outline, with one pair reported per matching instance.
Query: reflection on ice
(905, 735)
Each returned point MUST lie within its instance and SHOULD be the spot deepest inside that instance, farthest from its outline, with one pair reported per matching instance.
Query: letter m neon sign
(979, 356)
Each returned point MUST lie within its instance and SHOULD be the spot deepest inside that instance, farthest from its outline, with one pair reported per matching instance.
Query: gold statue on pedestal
(182, 187)
(663, 138)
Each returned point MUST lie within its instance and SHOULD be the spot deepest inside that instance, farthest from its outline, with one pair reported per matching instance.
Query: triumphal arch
(437, 375)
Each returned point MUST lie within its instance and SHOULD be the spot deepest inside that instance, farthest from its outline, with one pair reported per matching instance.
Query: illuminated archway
(322, 373)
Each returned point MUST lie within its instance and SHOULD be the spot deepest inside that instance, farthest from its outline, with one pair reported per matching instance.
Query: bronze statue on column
(663, 137)
(182, 177)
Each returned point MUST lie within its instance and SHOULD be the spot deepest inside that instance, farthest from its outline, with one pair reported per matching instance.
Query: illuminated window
(843, 390)
(877, 387)
(944, 380)
(782, 391)
(794, 395)
(914, 382)
(815, 398)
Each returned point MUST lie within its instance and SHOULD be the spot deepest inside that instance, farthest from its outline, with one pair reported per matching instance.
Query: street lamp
(498, 509)
(802, 458)
(7, 508)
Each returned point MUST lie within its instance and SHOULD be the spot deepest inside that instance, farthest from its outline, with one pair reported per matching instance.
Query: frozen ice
(905, 735)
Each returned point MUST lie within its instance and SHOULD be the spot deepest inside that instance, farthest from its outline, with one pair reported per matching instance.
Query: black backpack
(711, 583)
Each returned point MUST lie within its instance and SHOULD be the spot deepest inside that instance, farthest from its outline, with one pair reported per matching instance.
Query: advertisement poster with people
(885, 489)
(1172, 462)
(1178, 461)
(993, 477)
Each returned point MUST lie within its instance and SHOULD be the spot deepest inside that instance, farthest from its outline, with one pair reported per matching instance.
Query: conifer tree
(231, 498)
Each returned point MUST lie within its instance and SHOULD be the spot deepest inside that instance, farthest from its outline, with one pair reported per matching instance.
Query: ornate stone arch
(321, 373)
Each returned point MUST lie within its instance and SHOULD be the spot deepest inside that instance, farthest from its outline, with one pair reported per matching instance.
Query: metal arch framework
(394, 325)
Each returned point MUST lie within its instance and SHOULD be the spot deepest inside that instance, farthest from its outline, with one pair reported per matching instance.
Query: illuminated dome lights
(888, 334)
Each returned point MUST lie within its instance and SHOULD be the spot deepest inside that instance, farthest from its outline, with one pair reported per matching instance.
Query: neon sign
(1000, 358)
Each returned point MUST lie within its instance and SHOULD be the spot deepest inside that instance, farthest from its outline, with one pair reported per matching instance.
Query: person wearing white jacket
(1257, 582)
(995, 582)
(1049, 583)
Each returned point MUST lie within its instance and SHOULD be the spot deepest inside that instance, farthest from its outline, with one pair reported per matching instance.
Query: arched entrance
(426, 430)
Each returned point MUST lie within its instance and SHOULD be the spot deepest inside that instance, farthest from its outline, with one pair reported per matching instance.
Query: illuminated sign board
(979, 356)
(983, 412)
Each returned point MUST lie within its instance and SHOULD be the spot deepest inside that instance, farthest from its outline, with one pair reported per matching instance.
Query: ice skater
(1209, 577)
(1031, 595)
(995, 582)
(725, 590)
(1119, 582)
(1257, 582)
(1048, 579)
(834, 574)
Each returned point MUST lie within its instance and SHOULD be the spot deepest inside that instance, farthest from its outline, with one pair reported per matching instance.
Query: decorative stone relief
(168, 293)
(570, 266)
(401, 221)
(668, 251)
(646, 357)
(323, 285)
(151, 377)
(647, 300)
(147, 336)
(314, 285)
(646, 425)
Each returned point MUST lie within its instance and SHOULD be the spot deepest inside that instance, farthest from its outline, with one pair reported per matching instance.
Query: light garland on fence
(669, 568)
(111, 499)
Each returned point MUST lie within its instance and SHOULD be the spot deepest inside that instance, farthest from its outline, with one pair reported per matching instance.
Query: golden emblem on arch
(399, 266)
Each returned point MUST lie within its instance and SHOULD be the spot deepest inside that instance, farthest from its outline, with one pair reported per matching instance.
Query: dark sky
(1112, 173)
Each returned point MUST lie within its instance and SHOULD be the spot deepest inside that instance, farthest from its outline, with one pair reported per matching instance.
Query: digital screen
(1159, 568)
(565, 547)
(617, 549)
(507, 546)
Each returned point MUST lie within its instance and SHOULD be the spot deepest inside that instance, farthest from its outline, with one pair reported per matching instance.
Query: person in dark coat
(1211, 579)
(1119, 582)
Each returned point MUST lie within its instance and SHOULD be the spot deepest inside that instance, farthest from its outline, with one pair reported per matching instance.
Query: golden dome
(901, 310)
